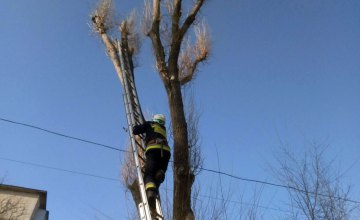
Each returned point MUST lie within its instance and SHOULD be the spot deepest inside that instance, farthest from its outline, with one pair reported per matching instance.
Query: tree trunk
(182, 178)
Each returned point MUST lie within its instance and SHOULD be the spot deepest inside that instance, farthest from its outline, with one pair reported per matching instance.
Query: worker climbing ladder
(135, 117)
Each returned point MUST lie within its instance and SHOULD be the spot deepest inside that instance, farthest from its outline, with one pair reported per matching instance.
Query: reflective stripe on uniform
(150, 185)
(158, 129)
(158, 146)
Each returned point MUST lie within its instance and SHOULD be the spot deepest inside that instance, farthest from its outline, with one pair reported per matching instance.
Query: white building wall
(26, 204)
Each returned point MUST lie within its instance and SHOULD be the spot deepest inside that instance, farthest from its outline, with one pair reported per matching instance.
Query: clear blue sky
(279, 70)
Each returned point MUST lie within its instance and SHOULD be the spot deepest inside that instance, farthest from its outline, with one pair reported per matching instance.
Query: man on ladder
(157, 153)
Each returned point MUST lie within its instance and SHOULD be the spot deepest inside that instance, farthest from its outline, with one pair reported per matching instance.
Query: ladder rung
(137, 142)
(141, 158)
(134, 105)
(142, 148)
(137, 118)
(136, 115)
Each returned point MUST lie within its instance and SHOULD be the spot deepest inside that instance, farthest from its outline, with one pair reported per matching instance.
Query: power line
(117, 180)
(244, 203)
(232, 201)
(62, 135)
(277, 185)
(201, 168)
(59, 169)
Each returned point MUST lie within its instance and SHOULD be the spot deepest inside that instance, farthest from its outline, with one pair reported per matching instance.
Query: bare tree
(177, 64)
(252, 211)
(315, 188)
(218, 204)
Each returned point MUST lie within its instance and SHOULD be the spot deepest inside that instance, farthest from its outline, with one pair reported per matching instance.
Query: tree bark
(182, 177)
(112, 51)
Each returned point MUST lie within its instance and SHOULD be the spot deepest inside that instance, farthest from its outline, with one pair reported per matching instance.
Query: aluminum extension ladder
(134, 117)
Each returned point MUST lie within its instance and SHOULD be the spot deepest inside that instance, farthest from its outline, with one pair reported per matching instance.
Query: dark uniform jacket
(155, 133)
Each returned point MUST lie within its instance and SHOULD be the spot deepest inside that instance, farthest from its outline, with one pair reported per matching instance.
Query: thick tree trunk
(182, 178)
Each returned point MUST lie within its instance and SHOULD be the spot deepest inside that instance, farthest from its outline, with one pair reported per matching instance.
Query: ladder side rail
(130, 120)
(138, 109)
(132, 87)
(137, 164)
(134, 94)
(133, 98)
(144, 214)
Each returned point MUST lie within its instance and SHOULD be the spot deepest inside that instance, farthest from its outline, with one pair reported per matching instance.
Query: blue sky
(279, 70)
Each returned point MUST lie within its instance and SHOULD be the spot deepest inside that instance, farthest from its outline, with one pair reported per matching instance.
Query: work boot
(151, 196)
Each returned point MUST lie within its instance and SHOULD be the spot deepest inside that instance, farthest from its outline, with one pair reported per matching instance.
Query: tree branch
(189, 76)
(156, 14)
(177, 38)
(158, 48)
(191, 17)
(102, 22)
(194, 55)
(176, 17)
(112, 51)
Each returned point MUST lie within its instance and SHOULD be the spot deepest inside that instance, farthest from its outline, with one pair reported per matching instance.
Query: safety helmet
(159, 118)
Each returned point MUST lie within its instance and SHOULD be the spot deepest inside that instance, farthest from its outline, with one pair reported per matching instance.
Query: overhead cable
(59, 169)
(201, 168)
(62, 135)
